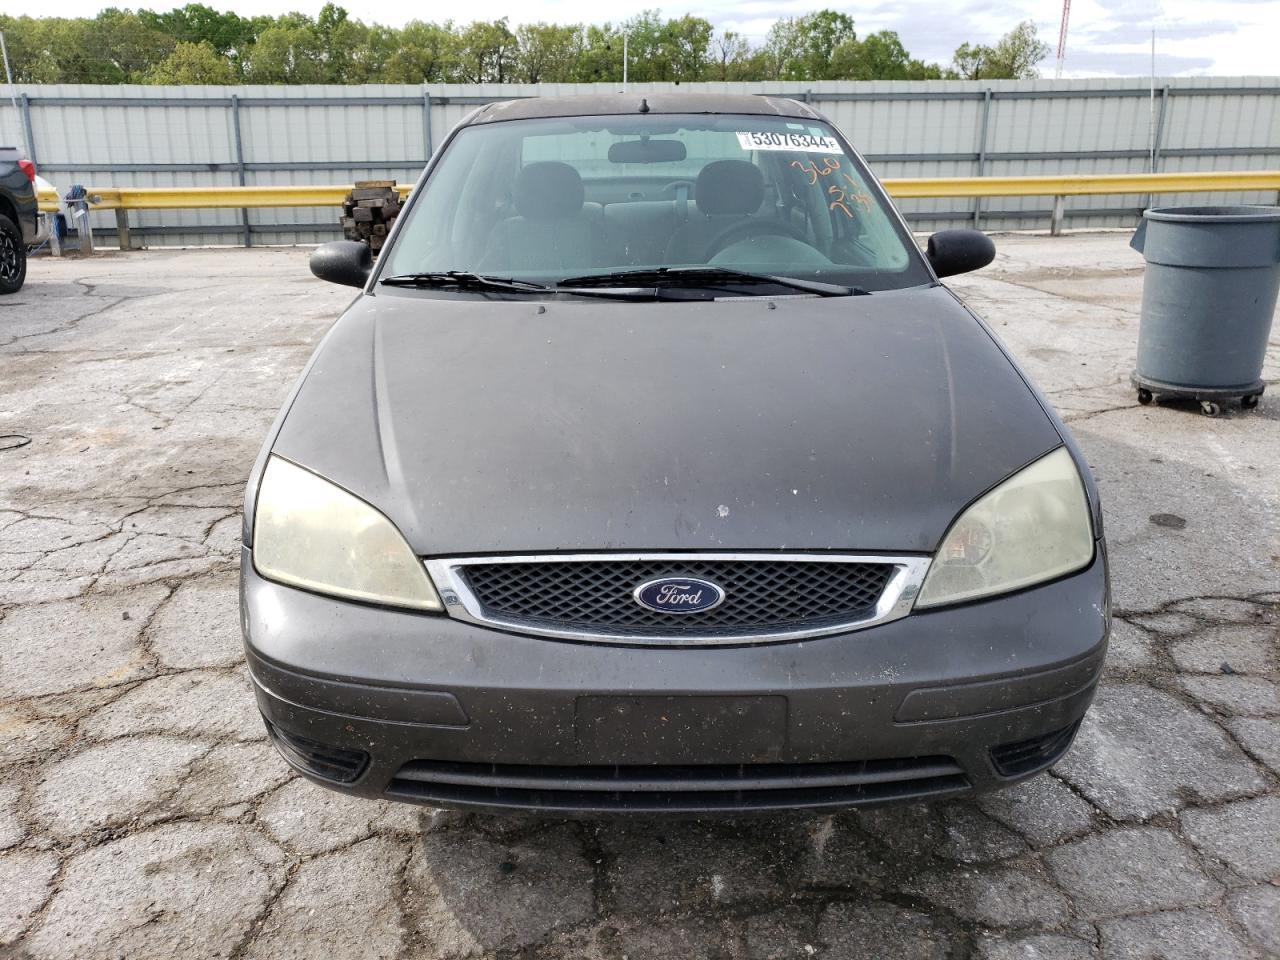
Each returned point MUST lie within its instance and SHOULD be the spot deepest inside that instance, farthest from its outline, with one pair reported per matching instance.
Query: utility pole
(1062, 38)
(1151, 123)
(13, 93)
(624, 63)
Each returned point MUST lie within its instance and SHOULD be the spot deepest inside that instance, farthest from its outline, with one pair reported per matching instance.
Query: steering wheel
(745, 229)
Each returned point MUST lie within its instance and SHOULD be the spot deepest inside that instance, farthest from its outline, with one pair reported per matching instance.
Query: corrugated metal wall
(170, 136)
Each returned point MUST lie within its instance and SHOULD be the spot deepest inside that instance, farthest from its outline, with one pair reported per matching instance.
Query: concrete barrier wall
(222, 136)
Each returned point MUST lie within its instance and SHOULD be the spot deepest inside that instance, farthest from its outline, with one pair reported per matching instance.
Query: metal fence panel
(176, 135)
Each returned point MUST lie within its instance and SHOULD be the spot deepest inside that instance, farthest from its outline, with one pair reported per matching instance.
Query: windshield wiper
(621, 284)
(467, 280)
(707, 276)
(464, 280)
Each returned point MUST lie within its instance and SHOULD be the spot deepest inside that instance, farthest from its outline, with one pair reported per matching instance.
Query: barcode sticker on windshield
(803, 142)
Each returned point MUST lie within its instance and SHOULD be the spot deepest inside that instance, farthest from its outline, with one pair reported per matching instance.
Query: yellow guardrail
(185, 198)
(188, 198)
(1084, 184)
(122, 199)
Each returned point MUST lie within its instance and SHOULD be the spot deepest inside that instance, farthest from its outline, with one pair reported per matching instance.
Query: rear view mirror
(959, 251)
(343, 261)
(647, 151)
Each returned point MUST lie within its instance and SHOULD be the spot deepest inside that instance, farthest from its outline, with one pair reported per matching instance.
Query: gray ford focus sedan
(652, 469)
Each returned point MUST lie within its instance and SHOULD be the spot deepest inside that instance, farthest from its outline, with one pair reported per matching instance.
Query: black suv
(17, 217)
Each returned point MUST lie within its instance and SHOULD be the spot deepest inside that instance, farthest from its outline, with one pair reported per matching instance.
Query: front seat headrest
(729, 186)
(548, 190)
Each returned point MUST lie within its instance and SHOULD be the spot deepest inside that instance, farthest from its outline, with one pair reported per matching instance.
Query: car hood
(477, 425)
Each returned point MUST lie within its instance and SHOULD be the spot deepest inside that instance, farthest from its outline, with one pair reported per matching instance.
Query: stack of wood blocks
(369, 210)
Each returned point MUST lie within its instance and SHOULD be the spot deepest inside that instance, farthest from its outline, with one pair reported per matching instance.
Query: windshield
(549, 199)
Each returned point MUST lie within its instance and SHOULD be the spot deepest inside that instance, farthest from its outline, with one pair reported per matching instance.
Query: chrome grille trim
(461, 603)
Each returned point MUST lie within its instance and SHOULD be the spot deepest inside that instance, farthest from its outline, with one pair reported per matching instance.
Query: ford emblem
(678, 595)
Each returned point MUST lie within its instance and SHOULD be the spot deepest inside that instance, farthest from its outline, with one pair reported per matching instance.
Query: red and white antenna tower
(1062, 37)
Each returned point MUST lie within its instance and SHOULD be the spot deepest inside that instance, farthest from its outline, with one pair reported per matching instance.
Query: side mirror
(343, 261)
(959, 251)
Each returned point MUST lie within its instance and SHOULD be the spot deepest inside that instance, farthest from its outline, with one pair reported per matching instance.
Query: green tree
(31, 44)
(486, 53)
(546, 52)
(287, 53)
(646, 59)
(370, 53)
(198, 41)
(1019, 52)
(601, 57)
(879, 56)
(969, 61)
(684, 47)
(801, 48)
(353, 52)
(114, 47)
(423, 53)
(228, 33)
(730, 57)
(1014, 57)
(193, 63)
(657, 50)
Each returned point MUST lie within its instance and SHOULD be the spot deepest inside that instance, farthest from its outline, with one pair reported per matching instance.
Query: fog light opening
(1028, 756)
(336, 764)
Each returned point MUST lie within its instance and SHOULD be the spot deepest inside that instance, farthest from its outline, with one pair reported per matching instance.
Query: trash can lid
(1237, 214)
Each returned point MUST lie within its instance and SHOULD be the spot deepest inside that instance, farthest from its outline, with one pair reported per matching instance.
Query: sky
(1105, 38)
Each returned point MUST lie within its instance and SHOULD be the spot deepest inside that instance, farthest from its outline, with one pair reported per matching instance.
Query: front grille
(595, 596)
(1027, 756)
(676, 789)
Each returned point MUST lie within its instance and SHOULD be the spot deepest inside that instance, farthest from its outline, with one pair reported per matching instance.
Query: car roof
(618, 104)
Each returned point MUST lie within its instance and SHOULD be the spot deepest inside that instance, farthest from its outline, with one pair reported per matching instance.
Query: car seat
(554, 229)
(726, 192)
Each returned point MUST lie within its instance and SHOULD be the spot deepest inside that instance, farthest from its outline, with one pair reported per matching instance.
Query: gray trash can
(1208, 299)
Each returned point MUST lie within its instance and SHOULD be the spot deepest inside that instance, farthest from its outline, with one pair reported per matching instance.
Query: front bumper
(438, 711)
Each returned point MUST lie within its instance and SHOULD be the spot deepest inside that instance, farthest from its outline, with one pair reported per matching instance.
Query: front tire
(13, 257)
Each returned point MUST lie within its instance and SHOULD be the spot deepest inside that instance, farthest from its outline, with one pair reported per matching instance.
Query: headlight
(1033, 527)
(310, 533)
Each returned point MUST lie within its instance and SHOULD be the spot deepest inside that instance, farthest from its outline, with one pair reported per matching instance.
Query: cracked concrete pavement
(143, 814)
